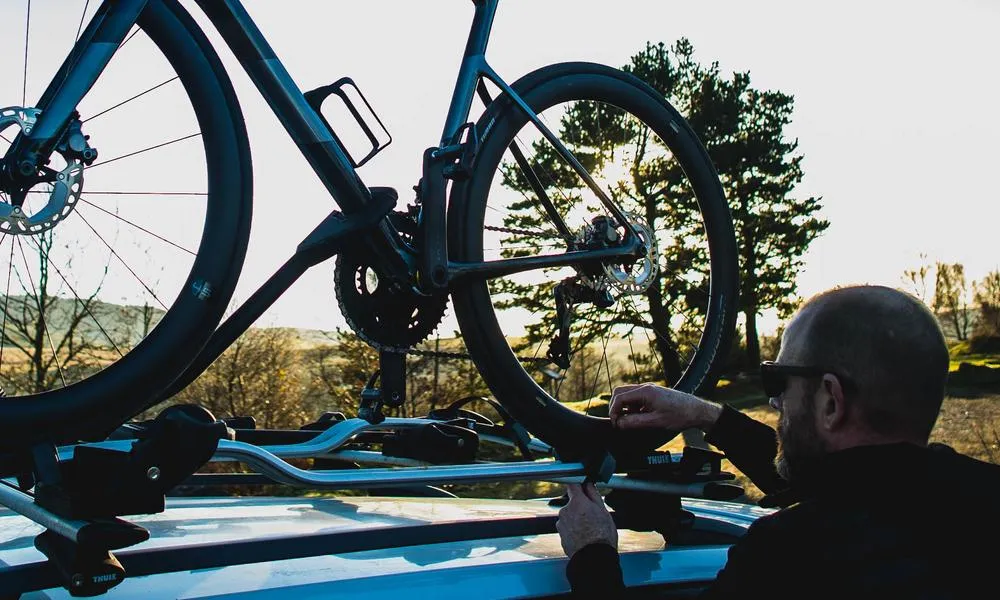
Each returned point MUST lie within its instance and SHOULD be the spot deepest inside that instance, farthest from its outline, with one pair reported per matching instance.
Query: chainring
(387, 319)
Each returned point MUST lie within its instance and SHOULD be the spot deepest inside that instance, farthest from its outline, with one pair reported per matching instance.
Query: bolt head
(153, 473)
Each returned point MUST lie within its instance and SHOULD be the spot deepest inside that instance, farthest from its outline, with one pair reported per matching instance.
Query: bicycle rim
(663, 317)
(102, 307)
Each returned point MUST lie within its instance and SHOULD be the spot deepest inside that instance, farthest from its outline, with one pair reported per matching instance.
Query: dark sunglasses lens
(773, 382)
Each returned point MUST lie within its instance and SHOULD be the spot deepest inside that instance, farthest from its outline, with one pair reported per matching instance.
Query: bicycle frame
(332, 166)
(335, 169)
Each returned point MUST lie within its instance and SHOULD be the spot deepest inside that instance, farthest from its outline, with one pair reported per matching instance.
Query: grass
(980, 360)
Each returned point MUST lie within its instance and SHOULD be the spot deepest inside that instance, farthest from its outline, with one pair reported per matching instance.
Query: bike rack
(80, 548)
(391, 471)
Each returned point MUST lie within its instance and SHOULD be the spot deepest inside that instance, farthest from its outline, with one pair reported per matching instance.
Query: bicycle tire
(615, 92)
(99, 401)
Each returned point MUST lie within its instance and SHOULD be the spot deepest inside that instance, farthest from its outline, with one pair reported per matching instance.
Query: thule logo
(104, 578)
(657, 459)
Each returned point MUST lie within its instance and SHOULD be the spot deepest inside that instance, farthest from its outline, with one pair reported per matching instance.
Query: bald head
(884, 340)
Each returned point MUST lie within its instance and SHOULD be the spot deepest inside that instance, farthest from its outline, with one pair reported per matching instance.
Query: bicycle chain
(526, 232)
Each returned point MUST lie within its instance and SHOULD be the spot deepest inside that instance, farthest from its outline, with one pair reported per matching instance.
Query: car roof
(369, 546)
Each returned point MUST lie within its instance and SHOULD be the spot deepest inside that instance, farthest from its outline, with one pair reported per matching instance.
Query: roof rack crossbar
(24, 504)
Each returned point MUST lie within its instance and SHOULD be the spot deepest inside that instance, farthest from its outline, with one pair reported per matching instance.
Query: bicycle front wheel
(111, 284)
(552, 342)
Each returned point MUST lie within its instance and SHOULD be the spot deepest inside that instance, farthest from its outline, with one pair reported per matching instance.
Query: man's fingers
(627, 399)
(574, 490)
(628, 386)
(590, 490)
(635, 420)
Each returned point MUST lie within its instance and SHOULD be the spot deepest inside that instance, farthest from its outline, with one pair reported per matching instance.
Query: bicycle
(525, 223)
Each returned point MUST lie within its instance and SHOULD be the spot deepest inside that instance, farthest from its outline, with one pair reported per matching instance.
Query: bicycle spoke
(122, 261)
(6, 298)
(652, 345)
(631, 353)
(27, 28)
(523, 195)
(576, 146)
(135, 30)
(83, 15)
(83, 303)
(111, 160)
(597, 373)
(558, 189)
(139, 227)
(41, 315)
(124, 102)
(607, 370)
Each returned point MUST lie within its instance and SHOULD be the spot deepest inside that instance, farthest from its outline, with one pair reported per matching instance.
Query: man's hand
(650, 406)
(585, 520)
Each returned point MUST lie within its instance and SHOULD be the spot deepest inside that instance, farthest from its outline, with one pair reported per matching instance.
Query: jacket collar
(860, 470)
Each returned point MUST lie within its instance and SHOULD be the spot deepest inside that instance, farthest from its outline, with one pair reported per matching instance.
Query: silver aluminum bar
(23, 504)
(280, 471)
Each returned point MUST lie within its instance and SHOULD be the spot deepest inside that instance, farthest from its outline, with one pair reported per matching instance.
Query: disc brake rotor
(635, 278)
(65, 185)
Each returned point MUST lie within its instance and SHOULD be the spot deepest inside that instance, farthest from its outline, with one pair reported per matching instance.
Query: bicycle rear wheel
(667, 316)
(111, 289)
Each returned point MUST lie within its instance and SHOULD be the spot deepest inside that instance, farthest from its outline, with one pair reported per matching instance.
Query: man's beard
(798, 444)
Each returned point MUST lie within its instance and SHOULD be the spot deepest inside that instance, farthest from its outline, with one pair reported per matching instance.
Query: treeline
(272, 375)
(283, 380)
(968, 310)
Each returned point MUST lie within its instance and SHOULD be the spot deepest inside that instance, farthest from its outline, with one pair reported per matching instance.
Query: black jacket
(888, 521)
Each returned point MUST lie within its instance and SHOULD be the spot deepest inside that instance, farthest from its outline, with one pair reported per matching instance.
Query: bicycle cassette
(385, 318)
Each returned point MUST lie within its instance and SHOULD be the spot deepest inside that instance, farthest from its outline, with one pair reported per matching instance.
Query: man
(869, 508)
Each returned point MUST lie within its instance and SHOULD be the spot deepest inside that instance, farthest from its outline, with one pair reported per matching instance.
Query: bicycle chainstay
(350, 289)
(412, 318)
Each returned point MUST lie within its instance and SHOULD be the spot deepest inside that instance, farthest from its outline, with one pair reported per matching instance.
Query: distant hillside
(125, 324)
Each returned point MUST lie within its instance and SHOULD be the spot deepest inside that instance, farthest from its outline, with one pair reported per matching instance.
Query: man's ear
(832, 405)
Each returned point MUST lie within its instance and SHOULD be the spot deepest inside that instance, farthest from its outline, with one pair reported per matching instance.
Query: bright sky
(895, 112)
(895, 107)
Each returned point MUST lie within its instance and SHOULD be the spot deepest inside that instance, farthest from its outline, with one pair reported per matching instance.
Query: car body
(377, 547)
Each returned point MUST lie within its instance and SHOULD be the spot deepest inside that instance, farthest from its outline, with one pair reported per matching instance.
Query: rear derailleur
(568, 293)
(588, 286)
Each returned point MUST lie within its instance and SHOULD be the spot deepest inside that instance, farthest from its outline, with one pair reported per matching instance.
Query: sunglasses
(774, 376)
